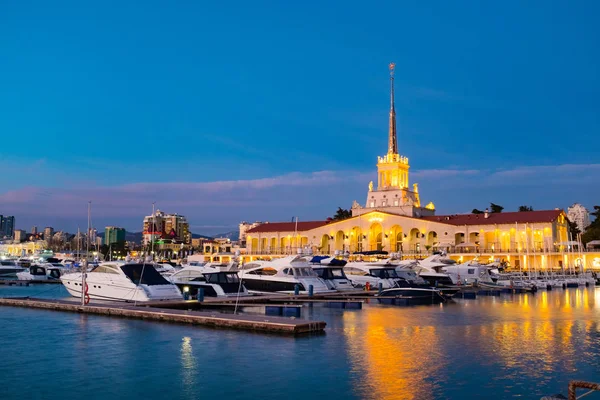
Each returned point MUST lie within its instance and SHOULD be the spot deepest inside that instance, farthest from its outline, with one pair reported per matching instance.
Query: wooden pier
(15, 282)
(271, 324)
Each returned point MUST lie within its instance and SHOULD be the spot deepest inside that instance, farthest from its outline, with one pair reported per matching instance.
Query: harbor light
(186, 289)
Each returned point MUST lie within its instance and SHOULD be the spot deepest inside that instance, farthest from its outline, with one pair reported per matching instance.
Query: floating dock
(270, 324)
(15, 282)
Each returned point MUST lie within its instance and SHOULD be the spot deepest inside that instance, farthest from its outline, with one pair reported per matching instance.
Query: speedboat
(282, 275)
(331, 270)
(215, 282)
(40, 272)
(406, 289)
(375, 273)
(9, 269)
(122, 282)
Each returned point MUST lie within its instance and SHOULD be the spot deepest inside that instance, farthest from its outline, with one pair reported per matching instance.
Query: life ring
(86, 296)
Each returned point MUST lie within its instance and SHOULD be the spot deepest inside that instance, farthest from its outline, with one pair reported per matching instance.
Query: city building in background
(48, 232)
(161, 226)
(7, 226)
(34, 230)
(20, 235)
(579, 215)
(113, 234)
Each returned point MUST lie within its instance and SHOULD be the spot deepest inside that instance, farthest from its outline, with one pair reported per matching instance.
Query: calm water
(521, 346)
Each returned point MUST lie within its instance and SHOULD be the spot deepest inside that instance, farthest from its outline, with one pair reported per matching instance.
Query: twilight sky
(269, 110)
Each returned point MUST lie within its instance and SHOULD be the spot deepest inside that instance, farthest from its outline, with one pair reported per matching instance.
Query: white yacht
(469, 273)
(282, 275)
(123, 282)
(374, 273)
(431, 267)
(214, 281)
(331, 270)
(9, 269)
(40, 272)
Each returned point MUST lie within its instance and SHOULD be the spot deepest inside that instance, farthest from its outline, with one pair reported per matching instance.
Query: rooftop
(519, 217)
(287, 226)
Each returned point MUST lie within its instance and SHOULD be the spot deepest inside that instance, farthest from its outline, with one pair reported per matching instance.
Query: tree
(593, 231)
(341, 214)
(525, 208)
(495, 208)
(476, 211)
(117, 249)
(573, 229)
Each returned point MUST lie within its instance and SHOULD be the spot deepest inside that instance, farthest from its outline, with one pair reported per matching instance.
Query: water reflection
(525, 343)
(391, 358)
(189, 365)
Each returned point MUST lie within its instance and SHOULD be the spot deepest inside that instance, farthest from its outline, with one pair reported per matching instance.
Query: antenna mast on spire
(392, 137)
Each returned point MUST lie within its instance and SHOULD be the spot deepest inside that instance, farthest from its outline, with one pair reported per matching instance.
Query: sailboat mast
(152, 233)
(85, 263)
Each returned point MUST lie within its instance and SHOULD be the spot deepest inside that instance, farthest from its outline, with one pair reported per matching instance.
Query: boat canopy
(149, 277)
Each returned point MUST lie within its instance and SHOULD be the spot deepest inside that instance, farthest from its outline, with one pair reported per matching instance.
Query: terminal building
(394, 219)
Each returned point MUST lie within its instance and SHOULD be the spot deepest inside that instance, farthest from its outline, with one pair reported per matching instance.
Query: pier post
(200, 296)
(310, 290)
(296, 289)
(380, 287)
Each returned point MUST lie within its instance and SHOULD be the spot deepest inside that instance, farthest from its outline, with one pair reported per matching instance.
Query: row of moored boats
(433, 279)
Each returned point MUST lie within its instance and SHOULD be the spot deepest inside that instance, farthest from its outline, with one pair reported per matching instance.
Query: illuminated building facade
(394, 220)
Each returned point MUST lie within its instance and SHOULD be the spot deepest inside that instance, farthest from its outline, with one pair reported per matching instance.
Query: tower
(392, 169)
(394, 193)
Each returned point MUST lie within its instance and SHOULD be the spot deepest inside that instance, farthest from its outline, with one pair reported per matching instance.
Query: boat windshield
(303, 271)
(384, 273)
(222, 277)
(149, 277)
(330, 273)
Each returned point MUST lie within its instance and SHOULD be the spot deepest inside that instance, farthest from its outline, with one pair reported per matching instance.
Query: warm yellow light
(186, 289)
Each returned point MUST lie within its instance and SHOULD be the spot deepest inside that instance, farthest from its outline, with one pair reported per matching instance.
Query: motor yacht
(9, 269)
(405, 288)
(40, 272)
(123, 282)
(430, 269)
(331, 270)
(374, 273)
(469, 273)
(214, 281)
(282, 275)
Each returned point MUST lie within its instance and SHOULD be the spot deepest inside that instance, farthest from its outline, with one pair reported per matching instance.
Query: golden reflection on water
(188, 363)
(391, 357)
(399, 352)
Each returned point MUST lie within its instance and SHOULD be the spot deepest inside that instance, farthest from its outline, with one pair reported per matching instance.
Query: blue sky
(266, 110)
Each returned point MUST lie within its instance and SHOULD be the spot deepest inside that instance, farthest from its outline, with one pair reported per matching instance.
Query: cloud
(221, 204)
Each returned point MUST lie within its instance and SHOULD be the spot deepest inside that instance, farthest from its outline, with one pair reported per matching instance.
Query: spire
(392, 139)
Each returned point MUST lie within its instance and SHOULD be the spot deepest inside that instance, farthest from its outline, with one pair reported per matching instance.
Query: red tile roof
(497, 218)
(287, 226)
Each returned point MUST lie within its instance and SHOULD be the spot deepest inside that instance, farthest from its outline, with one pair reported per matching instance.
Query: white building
(244, 227)
(579, 215)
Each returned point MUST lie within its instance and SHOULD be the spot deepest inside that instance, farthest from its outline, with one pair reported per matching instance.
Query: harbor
(519, 337)
(299, 200)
